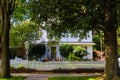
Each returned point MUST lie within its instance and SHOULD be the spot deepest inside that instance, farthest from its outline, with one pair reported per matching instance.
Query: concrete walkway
(46, 76)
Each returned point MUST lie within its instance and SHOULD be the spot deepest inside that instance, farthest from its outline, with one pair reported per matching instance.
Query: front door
(53, 52)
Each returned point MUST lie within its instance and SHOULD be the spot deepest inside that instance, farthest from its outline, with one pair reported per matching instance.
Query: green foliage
(36, 51)
(26, 30)
(72, 57)
(21, 52)
(21, 68)
(11, 67)
(20, 12)
(65, 50)
(118, 40)
(98, 40)
(60, 16)
(79, 52)
(74, 78)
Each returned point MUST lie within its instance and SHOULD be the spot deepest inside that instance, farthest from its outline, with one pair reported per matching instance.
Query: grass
(14, 78)
(74, 78)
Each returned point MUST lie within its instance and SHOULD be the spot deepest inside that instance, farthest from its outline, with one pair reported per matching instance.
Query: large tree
(7, 17)
(78, 16)
(6, 9)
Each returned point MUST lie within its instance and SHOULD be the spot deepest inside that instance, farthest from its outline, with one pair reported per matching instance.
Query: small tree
(26, 30)
(65, 50)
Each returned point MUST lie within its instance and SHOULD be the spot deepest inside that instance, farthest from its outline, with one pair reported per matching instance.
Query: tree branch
(11, 6)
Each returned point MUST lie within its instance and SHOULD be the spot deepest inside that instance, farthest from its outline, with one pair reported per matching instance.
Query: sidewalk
(46, 76)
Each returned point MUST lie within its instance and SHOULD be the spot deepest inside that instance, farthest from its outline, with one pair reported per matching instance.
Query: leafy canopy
(26, 30)
(60, 16)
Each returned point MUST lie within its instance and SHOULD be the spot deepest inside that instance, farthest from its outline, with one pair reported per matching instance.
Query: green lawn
(14, 78)
(74, 78)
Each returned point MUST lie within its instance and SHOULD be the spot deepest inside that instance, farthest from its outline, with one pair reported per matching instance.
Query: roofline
(78, 43)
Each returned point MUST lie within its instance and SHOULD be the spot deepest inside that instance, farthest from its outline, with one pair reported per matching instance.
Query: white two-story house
(52, 46)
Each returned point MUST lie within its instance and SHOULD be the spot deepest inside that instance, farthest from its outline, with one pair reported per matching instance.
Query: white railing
(57, 65)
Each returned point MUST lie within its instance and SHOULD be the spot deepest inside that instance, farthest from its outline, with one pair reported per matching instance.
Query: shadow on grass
(60, 70)
(74, 78)
(14, 78)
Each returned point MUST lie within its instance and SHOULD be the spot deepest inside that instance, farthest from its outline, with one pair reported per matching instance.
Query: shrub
(21, 52)
(18, 51)
(21, 68)
(98, 55)
(37, 51)
(13, 53)
(65, 50)
(80, 52)
(11, 67)
(72, 57)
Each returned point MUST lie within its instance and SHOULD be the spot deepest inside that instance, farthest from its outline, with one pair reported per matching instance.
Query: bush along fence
(56, 65)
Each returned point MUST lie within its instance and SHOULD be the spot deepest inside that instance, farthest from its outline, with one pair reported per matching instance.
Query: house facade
(52, 46)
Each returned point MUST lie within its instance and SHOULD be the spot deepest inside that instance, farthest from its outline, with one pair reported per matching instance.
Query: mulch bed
(92, 70)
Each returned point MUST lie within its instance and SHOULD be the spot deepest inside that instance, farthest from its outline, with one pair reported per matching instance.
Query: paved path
(45, 76)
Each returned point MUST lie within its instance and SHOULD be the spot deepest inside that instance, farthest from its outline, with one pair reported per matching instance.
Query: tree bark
(6, 7)
(5, 63)
(111, 66)
(110, 40)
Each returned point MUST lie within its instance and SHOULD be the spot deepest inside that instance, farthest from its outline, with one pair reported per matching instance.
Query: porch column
(57, 52)
(90, 55)
(46, 51)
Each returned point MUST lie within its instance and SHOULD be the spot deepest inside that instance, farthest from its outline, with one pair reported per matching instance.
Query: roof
(72, 43)
(79, 43)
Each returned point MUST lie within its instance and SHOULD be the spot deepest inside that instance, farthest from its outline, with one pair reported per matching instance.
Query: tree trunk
(5, 63)
(111, 66)
(110, 40)
(0, 32)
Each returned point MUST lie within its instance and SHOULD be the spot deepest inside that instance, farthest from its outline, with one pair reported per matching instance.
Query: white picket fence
(56, 65)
